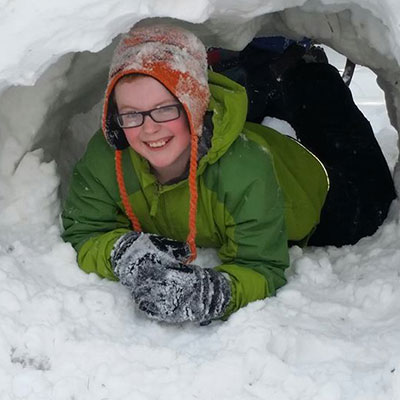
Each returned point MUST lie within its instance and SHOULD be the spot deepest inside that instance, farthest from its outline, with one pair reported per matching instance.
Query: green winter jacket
(242, 210)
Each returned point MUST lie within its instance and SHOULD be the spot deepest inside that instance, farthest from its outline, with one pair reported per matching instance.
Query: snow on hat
(173, 56)
(177, 59)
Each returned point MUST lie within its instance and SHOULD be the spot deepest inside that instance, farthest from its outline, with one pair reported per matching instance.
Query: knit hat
(173, 56)
(177, 59)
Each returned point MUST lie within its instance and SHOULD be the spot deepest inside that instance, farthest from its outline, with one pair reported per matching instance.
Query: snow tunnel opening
(63, 109)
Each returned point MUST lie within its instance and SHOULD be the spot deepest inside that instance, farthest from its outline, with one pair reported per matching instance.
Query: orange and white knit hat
(177, 59)
(173, 56)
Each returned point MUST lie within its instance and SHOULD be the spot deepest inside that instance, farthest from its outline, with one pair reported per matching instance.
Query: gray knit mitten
(177, 293)
(130, 249)
(164, 288)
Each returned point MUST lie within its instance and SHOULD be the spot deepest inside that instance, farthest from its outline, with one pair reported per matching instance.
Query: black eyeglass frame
(178, 106)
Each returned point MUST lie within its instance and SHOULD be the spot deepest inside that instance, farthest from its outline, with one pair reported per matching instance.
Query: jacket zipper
(155, 201)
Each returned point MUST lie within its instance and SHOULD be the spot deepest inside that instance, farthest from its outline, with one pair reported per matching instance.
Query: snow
(280, 126)
(333, 332)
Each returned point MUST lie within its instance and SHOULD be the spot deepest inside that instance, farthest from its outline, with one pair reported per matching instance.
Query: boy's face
(166, 145)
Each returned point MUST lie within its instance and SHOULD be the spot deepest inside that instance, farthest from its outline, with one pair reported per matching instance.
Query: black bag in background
(294, 82)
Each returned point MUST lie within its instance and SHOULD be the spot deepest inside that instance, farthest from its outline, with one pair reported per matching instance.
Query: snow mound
(332, 333)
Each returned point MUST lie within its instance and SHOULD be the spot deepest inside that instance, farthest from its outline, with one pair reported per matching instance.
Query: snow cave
(333, 332)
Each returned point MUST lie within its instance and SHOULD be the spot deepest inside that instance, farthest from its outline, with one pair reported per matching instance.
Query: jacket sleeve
(254, 252)
(92, 217)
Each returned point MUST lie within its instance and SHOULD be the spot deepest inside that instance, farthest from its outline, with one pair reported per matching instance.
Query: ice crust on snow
(332, 333)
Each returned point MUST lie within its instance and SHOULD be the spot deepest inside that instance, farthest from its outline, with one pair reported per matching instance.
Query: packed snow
(332, 333)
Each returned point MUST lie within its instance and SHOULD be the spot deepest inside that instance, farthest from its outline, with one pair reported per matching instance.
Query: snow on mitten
(177, 293)
(136, 248)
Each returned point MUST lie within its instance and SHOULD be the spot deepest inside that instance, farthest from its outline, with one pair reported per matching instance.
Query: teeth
(160, 143)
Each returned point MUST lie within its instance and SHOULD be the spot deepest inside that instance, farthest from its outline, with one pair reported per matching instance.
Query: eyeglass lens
(162, 114)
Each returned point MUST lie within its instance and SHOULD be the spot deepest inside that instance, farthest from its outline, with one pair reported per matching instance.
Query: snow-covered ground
(332, 333)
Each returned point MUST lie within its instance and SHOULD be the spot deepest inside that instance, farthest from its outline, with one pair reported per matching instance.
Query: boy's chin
(167, 170)
(161, 167)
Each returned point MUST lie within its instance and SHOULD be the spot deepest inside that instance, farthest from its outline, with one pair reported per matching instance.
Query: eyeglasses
(159, 114)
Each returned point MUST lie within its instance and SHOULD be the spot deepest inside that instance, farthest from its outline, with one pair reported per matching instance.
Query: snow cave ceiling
(53, 78)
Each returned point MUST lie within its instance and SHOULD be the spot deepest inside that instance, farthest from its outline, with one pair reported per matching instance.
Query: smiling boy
(176, 166)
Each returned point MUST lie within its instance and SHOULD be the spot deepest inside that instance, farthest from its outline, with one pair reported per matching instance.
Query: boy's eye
(132, 117)
(166, 113)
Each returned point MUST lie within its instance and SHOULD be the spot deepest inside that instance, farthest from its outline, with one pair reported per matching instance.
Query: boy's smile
(165, 145)
(158, 144)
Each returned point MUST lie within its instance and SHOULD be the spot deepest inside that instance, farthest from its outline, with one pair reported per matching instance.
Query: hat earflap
(114, 134)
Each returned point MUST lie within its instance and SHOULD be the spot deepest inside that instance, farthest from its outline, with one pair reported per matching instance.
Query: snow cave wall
(52, 100)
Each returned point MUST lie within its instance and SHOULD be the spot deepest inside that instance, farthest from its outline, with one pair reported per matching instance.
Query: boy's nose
(149, 125)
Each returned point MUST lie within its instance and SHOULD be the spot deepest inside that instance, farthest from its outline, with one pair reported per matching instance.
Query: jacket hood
(228, 104)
